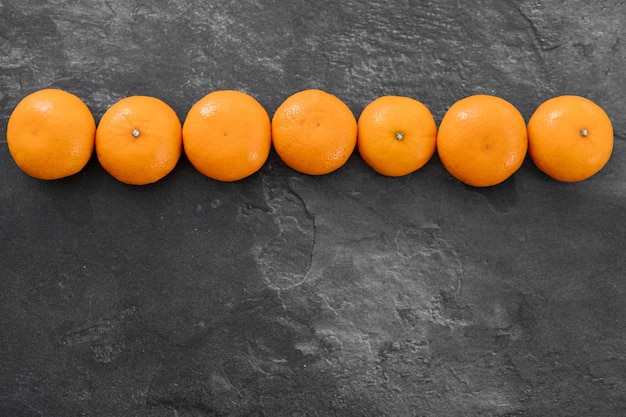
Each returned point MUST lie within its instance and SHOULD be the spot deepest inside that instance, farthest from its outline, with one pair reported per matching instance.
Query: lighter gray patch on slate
(286, 259)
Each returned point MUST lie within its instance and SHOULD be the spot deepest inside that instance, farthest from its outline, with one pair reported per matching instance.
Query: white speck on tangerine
(135, 132)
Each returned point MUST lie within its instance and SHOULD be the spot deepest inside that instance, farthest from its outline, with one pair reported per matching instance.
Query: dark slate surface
(284, 294)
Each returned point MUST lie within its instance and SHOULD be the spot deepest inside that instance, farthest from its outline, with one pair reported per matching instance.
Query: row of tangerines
(227, 135)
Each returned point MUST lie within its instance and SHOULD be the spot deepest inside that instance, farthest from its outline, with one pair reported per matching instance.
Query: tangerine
(138, 140)
(314, 132)
(482, 140)
(227, 135)
(50, 134)
(396, 135)
(570, 138)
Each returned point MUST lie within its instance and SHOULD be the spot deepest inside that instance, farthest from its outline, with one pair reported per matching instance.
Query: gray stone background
(349, 294)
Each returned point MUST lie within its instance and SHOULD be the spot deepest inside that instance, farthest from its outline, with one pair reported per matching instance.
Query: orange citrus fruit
(482, 140)
(227, 135)
(50, 134)
(314, 132)
(138, 140)
(570, 138)
(396, 135)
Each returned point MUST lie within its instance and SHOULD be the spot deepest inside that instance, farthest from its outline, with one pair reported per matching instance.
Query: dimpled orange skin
(570, 138)
(482, 140)
(227, 135)
(314, 132)
(138, 140)
(396, 135)
(50, 134)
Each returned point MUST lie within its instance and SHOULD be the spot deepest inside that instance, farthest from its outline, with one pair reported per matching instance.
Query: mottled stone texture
(349, 294)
